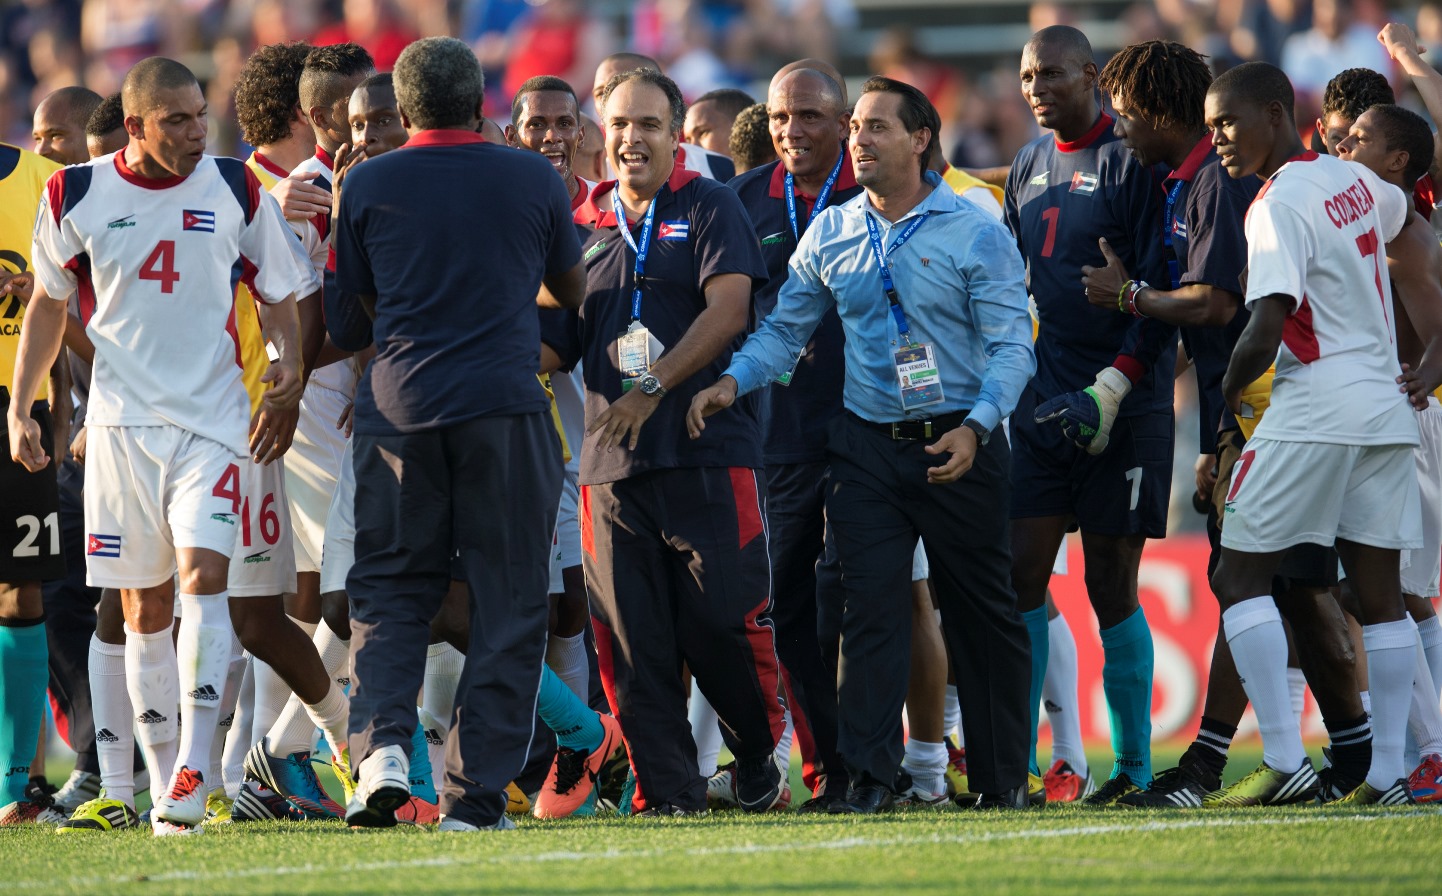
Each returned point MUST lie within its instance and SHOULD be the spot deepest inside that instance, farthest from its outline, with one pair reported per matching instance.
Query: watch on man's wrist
(983, 435)
(649, 385)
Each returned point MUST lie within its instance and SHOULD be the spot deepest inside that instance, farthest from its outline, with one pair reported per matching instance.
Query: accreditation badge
(918, 376)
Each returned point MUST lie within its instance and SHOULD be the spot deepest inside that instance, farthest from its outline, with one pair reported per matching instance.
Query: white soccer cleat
(184, 802)
(382, 786)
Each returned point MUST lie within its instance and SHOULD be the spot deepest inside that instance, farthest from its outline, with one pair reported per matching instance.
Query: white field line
(451, 860)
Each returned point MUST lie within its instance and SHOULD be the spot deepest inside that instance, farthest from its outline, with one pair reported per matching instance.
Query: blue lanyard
(821, 198)
(641, 250)
(887, 285)
(1173, 266)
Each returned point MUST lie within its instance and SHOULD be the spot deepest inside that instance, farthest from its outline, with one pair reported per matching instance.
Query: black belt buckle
(911, 430)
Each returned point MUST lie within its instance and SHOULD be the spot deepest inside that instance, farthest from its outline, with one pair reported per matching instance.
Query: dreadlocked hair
(1163, 81)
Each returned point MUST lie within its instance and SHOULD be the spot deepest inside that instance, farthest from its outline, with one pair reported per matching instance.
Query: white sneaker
(184, 801)
(382, 786)
(449, 824)
(80, 787)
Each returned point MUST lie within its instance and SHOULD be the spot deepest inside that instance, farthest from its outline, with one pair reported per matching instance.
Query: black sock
(1214, 739)
(1351, 745)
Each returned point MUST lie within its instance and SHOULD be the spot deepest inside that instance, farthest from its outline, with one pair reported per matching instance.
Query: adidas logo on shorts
(204, 692)
(433, 736)
(151, 717)
(1052, 707)
(106, 736)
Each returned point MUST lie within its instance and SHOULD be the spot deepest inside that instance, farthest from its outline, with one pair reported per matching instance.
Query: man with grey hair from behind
(426, 450)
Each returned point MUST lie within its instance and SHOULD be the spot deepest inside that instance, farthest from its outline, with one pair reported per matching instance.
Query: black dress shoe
(1009, 799)
(866, 799)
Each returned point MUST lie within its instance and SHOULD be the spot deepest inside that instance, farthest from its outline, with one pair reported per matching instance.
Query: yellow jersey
(960, 182)
(22, 183)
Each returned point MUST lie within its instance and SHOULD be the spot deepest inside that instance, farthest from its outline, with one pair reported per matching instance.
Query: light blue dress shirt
(960, 282)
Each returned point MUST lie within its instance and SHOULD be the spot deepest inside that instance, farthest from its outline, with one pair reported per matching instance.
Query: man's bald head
(814, 65)
(1066, 39)
(811, 80)
(148, 80)
(60, 124)
(492, 132)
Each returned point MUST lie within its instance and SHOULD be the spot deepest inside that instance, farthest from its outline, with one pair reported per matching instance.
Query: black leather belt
(916, 430)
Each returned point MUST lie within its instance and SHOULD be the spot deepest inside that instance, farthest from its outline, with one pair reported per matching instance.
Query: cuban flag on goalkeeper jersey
(1060, 199)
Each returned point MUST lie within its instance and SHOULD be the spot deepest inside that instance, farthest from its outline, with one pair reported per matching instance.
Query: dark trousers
(676, 572)
(796, 518)
(69, 625)
(879, 503)
(486, 489)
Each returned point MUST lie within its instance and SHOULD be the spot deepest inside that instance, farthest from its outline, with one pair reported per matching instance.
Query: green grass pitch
(1059, 849)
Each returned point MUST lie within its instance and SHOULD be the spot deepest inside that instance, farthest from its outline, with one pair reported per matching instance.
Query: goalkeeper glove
(1086, 417)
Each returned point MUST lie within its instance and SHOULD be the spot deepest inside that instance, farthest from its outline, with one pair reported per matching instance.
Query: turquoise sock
(576, 724)
(422, 776)
(1127, 680)
(23, 675)
(1038, 628)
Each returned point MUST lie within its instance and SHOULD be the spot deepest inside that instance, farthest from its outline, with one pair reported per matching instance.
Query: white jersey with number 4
(1318, 232)
(159, 261)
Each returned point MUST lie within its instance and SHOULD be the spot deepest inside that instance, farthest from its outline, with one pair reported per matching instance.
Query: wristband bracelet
(1133, 289)
(1122, 297)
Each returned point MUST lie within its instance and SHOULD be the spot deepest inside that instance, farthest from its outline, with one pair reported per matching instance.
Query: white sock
(232, 764)
(1297, 688)
(1391, 665)
(235, 673)
(151, 679)
(334, 654)
(783, 746)
(203, 650)
(1059, 696)
(308, 627)
(270, 694)
(331, 714)
(951, 716)
(114, 721)
(1259, 647)
(705, 730)
(926, 763)
(1424, 717)
(443, 676)
(436, 731)
(1430, 630)
(567, 658)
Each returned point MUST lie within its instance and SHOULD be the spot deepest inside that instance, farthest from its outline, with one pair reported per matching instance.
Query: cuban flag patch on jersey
(195, 219)
(102, 545)
(673, 230)
(1083, 183)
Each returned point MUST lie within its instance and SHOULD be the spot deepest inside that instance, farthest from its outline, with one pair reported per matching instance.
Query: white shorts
(920, 568)
(1422, 571)
(1287, 493)
(1058, 566)
(264, 560)
(151, 490)
(558, 581)
(568, 523)
(338, 555)
(312, 467)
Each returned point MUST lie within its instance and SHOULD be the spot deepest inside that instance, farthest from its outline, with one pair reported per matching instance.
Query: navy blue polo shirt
(794, 417)
(700, 230)
(1060, 198)
(1206, 225)
(452, 236)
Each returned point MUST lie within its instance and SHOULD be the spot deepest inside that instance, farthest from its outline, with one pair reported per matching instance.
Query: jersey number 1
(160, 265)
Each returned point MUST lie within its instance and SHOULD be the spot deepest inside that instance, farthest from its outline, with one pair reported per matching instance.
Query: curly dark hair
(1354, 91)
(750, 142)
(268, 91)
(326, 67)
(107, 117)
(1164, 81)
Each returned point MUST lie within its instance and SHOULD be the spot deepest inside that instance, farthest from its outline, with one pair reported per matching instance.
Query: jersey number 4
(160, 266)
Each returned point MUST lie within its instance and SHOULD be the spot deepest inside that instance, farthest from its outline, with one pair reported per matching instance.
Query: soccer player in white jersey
(159, 234)
(1332, 459)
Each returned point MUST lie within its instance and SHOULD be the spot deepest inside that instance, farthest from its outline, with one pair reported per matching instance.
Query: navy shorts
(1124, 490)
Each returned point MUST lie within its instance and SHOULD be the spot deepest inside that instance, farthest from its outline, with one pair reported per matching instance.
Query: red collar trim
(1087, 139)
(846, 180)
(591, 213)
(270, 165)
(583, 192)
(325, 158)
(1305, 156)
(443, 137)
(149, 183)
(1199, 154)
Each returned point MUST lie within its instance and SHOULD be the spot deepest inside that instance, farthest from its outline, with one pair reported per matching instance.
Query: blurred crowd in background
(962, 53)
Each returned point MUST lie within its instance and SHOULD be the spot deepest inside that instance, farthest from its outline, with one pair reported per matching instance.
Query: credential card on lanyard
(918, 376)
